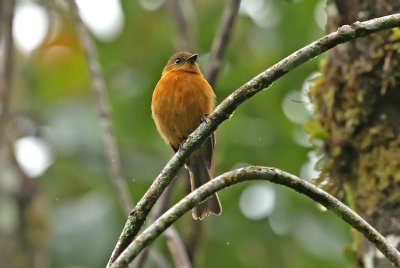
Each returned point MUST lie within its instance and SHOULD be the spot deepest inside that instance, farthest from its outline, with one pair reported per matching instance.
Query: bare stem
(225, 109)
(184, 32)
(221, 41)
(100, 90)
(177, 248)
(257, 173)
(6, 56)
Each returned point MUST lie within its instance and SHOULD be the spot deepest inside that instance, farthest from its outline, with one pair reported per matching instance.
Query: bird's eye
(177, 61)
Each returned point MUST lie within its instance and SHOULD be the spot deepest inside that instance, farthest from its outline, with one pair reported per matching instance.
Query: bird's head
(182, 61)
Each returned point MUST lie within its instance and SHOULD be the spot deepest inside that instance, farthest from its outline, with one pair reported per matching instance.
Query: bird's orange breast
(179, 101)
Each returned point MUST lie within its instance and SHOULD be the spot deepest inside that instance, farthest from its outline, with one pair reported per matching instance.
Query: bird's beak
(192, 58)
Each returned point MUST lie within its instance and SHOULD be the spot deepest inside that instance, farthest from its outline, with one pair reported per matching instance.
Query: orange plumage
(181, 98)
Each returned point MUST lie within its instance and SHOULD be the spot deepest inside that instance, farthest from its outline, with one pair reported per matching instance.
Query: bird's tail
(201, 168)
(199, 176)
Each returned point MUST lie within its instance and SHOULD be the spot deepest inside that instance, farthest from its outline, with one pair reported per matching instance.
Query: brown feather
(181, 98)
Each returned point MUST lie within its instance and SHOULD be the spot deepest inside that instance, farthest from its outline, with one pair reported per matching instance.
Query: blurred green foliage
(85, 218)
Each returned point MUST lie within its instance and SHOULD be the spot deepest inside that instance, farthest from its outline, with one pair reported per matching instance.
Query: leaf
(314, 128)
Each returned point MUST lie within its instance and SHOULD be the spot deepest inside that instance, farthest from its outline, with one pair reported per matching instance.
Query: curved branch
(105, 118)
(172, 237)
(221, 40)
(257, 173)
(225, 109)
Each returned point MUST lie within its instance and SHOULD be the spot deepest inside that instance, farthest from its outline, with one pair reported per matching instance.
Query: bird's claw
(181, 144)
(204, 118)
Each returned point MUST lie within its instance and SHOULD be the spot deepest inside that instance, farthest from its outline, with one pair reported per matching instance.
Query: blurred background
(58, 207)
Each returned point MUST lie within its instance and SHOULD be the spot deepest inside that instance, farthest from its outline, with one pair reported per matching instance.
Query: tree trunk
(357, 100)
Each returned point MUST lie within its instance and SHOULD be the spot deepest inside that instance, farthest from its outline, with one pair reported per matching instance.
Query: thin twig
(257, 173)
(227, 107)
(104, 113)
(159, 259)
(99, 87)
(185, 35)
(221, 41)
(177, 248)
(156, 255)
(174, 241)
(6, 58)
(194, 239)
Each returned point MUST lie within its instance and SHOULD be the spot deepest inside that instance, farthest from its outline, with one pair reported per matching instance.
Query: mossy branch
(225, 109)
(256, 173)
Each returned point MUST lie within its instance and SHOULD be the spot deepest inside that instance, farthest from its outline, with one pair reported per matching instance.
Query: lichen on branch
(256, 173)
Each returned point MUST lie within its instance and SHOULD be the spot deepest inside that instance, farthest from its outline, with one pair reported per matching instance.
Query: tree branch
(6, 55)
(221, 41)
(225, 109)
(174, 241)
(185, 36)
(99, 87)
(257, 173)
(177, 248)
(215, 63)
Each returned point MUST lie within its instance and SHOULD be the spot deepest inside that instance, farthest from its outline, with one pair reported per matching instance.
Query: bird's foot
(181, 144)
(204, 118)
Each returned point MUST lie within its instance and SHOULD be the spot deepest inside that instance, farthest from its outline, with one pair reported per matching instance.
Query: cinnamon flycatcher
(181, 99)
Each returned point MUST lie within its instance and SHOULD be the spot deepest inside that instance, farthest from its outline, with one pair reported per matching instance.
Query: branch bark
(221, 41)
(105, 117)
(225, 109)
(172, 237)
(218, 51)
(257, 173)
(215, 63)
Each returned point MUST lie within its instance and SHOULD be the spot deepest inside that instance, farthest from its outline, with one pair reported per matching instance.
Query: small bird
(181, 100)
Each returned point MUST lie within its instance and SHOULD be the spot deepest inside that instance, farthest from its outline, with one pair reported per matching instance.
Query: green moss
(353, 102)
